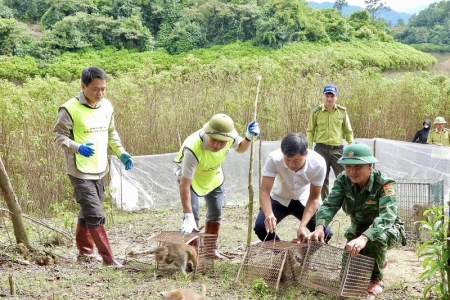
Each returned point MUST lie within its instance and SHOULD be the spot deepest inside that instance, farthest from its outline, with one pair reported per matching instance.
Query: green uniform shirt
(372, 209)
(329, 127)
(439, 137)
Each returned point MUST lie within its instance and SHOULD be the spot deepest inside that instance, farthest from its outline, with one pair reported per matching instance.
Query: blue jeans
(214, 201)
(280, 212)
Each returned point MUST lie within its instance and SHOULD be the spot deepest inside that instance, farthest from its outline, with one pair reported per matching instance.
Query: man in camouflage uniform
(327, 126)
(369, 198)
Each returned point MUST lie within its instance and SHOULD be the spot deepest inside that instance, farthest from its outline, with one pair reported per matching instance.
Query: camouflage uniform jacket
(372, 209)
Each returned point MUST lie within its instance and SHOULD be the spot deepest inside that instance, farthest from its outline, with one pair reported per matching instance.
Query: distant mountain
(390, 16)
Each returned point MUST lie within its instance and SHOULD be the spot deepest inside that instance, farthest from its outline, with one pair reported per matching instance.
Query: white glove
(188, 224)
(252, 130)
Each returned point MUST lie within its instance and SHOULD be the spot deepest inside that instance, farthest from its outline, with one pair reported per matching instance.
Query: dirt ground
(133, 232)
(403, 271)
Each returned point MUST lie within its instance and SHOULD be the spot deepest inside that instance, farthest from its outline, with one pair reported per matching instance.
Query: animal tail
(203, 291)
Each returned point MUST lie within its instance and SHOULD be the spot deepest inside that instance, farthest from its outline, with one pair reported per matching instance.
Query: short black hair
(90, 73)
(294, 143)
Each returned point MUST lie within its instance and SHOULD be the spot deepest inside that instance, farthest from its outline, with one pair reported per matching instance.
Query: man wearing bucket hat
(198, 167)
(368, 197)
(439, 136)
(328, 124)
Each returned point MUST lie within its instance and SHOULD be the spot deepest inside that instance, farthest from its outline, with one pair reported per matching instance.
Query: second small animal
(180, 255)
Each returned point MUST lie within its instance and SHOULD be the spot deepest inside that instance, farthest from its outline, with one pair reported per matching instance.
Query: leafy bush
(14, 37)
(96, 31)
(60, 10)
(436, 253)
(28, 10)
(6, 12)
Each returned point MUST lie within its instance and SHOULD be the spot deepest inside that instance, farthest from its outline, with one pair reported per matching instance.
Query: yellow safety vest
(91, 125)
(208, 173)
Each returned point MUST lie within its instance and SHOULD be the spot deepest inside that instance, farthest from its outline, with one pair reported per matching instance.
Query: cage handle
(339, 230)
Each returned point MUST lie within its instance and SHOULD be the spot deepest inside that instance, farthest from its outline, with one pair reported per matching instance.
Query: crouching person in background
(368, 197)
(85, 130)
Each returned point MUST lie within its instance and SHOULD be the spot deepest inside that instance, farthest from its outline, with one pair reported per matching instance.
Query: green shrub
(436, 254)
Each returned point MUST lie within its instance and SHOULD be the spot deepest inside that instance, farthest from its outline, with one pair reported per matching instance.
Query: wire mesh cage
(205, 244)
(278, 263)
(414, 196)
(333, 271)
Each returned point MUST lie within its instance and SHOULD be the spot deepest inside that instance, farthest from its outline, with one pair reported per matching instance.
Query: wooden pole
(250, 172)
(13, 206)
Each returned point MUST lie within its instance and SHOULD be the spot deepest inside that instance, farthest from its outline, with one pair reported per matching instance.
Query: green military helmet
(221, 127)
(357, 154)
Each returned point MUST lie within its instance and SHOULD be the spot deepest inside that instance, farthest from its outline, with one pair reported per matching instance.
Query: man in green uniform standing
(327, 126)
(439, 136)
(368, 197)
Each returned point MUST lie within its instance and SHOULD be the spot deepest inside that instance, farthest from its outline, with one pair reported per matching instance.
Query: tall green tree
(14, 37)
(284, 21)
(28, 10)
(95, 31)
(340, 5)
(375, 8)
(58, 10)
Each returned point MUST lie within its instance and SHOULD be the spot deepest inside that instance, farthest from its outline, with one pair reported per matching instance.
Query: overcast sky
(408, 6)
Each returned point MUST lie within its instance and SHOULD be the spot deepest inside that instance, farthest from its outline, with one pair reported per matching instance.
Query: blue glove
(86, 150)
(125, 158)
(252, 130)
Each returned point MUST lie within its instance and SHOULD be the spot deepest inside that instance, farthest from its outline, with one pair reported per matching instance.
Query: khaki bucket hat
(439, 120)
(221, 127)
(357, 154)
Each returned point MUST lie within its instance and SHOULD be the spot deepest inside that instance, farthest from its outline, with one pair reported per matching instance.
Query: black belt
(329, 146)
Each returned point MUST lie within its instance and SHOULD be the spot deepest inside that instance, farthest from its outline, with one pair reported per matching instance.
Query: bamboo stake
(250, 172)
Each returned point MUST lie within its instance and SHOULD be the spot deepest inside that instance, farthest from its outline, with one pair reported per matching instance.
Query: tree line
(428, 30)
(173, 25)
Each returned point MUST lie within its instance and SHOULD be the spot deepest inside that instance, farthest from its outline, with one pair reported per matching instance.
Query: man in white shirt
(291, 185)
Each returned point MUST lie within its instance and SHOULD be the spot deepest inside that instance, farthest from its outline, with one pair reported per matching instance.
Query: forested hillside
(428, 30)
(176, 26)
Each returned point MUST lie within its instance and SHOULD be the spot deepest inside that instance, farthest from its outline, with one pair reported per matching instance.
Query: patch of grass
(140, 280)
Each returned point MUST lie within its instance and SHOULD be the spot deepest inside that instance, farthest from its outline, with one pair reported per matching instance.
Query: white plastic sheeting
(152, 185)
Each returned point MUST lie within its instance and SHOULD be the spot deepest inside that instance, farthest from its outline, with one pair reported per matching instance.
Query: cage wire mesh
(333, 271)
(278, 263)
(414, 196)
(151, 183)
(205, 243)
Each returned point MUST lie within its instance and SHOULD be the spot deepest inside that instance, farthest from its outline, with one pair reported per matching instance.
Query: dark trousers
(280, 212)
(331, 157)
(89, 194)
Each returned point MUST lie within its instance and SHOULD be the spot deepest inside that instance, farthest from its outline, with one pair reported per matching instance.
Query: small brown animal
(418, 216)
(180, 255)
(186, 294)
